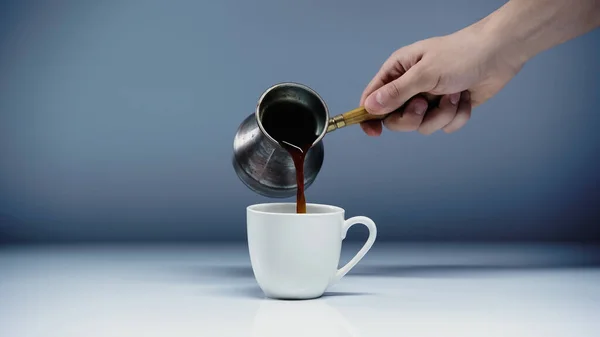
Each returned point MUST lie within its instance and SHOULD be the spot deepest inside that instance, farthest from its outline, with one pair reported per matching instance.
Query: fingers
(451, 114)
(394, 94)
(389, 71)
(410, 119)
(463, 113)
(395, 66)
(372, 128)
(376, 83)
(440, 116)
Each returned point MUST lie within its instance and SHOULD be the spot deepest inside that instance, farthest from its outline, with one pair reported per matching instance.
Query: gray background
(117, 120)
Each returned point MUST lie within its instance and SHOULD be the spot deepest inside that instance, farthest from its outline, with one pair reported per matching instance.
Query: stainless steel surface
(260, 162)
(297, 93)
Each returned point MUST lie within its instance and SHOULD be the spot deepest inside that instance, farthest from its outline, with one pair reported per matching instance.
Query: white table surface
(209, 290)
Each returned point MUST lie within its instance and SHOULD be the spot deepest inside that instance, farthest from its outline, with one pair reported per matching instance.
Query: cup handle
(365, 248)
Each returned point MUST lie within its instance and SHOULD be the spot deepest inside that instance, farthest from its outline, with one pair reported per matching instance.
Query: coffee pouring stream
(297, 113)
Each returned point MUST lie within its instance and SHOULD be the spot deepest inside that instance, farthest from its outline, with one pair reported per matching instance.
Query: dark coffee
(294, 127)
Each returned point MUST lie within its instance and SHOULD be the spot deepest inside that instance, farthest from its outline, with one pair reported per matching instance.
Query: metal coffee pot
(266, 167)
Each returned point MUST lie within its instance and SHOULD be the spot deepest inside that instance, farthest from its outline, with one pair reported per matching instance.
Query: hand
(440, 79)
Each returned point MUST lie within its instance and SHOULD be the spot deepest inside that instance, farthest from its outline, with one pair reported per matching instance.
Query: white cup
(296, 256)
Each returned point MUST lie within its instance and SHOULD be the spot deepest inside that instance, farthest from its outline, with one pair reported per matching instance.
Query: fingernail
(419, 108)
(454, 98)
(373, 103)
(379, 98)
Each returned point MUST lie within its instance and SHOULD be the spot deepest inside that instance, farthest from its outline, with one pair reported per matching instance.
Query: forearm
(529, 27)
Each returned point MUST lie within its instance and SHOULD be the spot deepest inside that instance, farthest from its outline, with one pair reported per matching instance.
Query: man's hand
(440, 80)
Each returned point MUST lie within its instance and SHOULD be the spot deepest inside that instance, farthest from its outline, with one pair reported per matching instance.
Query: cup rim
(331, 209)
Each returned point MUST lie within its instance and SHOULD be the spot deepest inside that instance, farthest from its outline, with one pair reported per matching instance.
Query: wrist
(502, 36)
(521, 29)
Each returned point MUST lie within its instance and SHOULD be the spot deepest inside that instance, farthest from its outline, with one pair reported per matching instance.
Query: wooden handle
(352, 117)
(359, 115)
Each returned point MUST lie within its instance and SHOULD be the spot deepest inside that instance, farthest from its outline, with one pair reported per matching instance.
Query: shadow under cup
(296, 256)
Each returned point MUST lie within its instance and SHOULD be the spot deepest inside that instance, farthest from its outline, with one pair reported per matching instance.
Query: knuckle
(409, 126)
(400, 52)
(424, 130)
(454, 126)
(393, 59)
(430, 77)
(458, 122)
(392, 90)
(450, 129)
(396, 54)
(430, 73)
(413, 127)
(436, 120)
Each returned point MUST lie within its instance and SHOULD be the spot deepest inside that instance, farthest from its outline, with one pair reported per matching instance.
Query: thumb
(392, 95)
